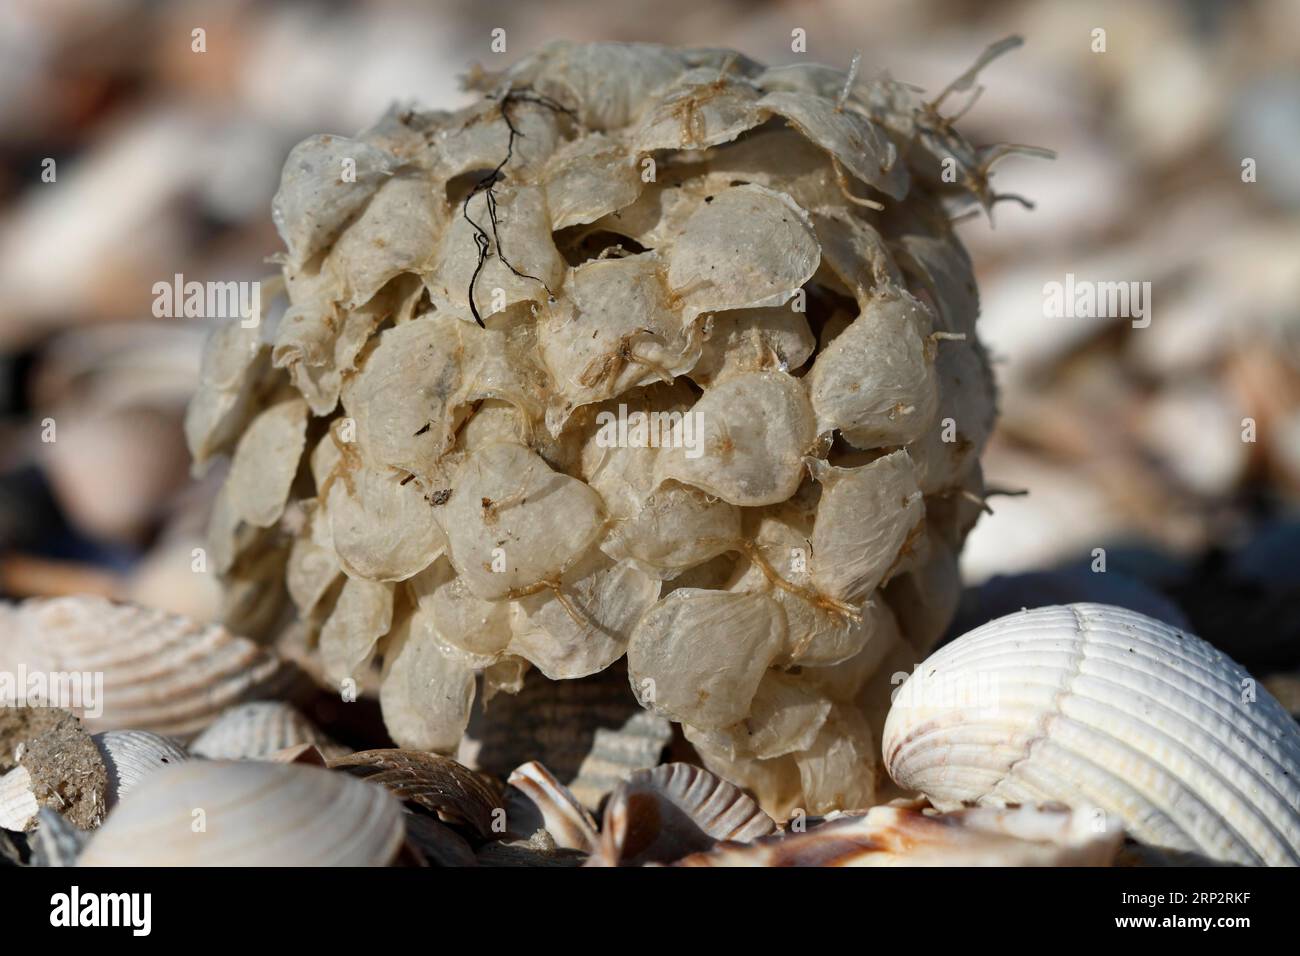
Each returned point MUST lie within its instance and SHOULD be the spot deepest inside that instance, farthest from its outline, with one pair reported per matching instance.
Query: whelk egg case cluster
(417, 447)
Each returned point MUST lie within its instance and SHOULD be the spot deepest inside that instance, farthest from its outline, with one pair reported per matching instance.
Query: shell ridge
(1218, 736)
(1053, 710)
(1155, 805)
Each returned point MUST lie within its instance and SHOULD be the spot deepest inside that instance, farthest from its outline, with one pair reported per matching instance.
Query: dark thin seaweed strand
(487, 184)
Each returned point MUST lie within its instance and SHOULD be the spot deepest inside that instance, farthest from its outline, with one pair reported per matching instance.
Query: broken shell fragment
(1103, 708)
(18, 803)
(618, 753)
(536, 800)
(912, 835)
(218, 813)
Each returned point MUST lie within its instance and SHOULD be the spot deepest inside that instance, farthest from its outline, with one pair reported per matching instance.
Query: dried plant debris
(53, 763)
(648, 352)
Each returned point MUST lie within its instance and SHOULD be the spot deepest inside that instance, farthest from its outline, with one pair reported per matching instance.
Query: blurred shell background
(1175, 448)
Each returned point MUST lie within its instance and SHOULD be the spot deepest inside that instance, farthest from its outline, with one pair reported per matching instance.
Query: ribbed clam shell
(663, 814)
(132, 755)
(161, 672)
(1099, 707)
(252, 814)
(257, 730)
(911, 836)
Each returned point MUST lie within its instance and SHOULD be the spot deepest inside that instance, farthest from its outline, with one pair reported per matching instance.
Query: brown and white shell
(437, 783)
(911, 834)
(536, 801)
(661, 815)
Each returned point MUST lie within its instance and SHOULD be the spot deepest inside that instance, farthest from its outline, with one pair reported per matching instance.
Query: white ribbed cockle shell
(1103, 708)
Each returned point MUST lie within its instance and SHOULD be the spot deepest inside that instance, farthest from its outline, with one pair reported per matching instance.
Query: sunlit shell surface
(132, 755)
(1104, 709)
(215, 813)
